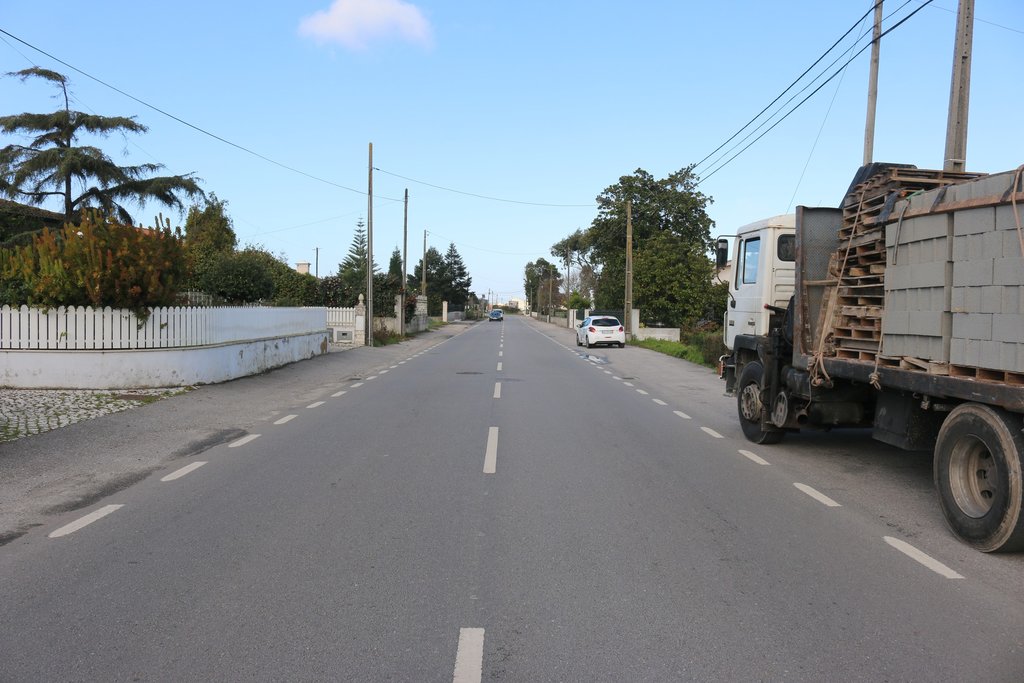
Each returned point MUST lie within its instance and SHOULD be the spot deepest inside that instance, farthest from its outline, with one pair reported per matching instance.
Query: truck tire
(749, 406)
(979, 458)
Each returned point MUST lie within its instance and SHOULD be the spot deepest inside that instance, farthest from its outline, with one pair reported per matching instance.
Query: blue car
(496, 314)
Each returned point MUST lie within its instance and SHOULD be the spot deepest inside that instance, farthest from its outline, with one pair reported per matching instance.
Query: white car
(600, 329)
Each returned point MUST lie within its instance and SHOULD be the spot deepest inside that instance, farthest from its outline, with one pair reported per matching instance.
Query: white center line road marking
(818, 496)
(712, 432)
(499, 367)
(500, 354)
(469, 658)
(84, 521)
(756, 458)
(384, 372)
(356, 385)
(244, 440)
(641, 391)
(371, 378)
(627, 384)
(618, 378)
(338, 393)
(183, 471)
(315, 405)
(392, 367)
(491, 457)
(659, 401)
(607, 372)
(497, 390)
(928, 561)
(286, 418)
(682, 415)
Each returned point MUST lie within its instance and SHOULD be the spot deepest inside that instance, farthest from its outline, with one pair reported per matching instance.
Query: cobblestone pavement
(24, 412)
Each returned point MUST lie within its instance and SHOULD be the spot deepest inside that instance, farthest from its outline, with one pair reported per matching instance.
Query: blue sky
(542, 103)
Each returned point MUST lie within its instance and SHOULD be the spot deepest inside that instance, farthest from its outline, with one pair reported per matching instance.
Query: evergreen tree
(458, 280)
(352, 271)
(51, 163)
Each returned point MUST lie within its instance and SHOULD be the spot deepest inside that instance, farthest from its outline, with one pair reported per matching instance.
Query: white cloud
(354, 23)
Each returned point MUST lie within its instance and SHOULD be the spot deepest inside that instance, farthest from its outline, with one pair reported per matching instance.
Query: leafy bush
(239, 277)
(97, 263)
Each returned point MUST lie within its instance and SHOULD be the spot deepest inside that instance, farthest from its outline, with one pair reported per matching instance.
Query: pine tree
(51, 161)
(352, 271)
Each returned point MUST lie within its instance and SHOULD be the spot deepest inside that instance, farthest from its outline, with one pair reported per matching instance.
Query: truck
(900, 311)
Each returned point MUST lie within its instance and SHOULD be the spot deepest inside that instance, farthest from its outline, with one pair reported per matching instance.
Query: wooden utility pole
(369, 252)
(869, 125)
(405, 250)
(955, 158)
(628, 309)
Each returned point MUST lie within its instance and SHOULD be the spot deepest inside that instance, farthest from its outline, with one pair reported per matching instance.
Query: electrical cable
(481, 196)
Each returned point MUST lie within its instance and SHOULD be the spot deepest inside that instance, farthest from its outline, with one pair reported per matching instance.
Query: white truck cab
(763, 272)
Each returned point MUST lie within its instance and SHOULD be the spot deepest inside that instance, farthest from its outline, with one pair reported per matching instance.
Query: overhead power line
(481, 196)
(812, 94)
(190, 125)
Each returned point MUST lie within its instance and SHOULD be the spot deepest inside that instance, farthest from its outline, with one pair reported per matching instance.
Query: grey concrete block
(974, 221)
(988, 186)
(1008, 271)
(915, 276)
(893, 345)
(973, 273)
(920, 228)
(1005, 218)
(972, 326)
(895, 322)
(991, 299)
(1012, 299)
(1008, 327)
(930, 323)
(964, 352)
(995, 355)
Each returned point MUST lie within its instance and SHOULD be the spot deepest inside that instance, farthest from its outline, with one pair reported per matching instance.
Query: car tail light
(591, 329)
(621, 329)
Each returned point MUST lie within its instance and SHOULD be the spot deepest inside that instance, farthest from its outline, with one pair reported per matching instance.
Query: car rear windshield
(604, 322)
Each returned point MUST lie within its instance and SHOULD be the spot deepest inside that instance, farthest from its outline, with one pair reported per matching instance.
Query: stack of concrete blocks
(988, 279)
(954, 284)
(918, 281)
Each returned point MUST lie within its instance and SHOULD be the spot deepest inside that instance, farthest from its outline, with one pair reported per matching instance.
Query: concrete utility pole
(369, 252)
(869, 125)
(628, 309)
(423, 268)
(316, 250)
(404, 251)
(955, 158)
(551, 281)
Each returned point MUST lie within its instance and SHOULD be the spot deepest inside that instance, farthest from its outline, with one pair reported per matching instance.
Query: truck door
(746, 307)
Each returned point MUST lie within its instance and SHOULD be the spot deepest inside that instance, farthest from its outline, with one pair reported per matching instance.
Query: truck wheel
(979, 457)
(749, 406)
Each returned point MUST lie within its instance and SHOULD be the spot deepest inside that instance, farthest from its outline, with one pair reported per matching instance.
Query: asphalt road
(493, 504)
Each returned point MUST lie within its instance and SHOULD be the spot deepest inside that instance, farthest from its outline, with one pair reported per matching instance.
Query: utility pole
(955, 158)
(316, 259)
(869, 126)
(423, 268)
(369, 252)
(551, 281)
(628, 312)
(405, 249)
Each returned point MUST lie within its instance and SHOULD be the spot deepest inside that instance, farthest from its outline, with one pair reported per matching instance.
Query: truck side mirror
(721, 253)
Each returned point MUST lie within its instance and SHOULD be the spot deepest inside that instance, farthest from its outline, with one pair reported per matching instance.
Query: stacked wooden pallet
(859, 264)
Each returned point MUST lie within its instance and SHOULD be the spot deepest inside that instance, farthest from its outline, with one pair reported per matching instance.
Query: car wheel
(622, 345)
(589, 345)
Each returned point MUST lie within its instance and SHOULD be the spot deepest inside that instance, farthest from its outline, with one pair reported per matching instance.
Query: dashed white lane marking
(628, 384)
(286, 418)
(756, 458)
(469, 658)
(384, 372)
(338, 393)
(403, 362)
(84, 521)
(499, 367)
(244, 440)
(607, 372)
(501, 346)
(927, 560)
(392, 367)
(497, 390)
(178, 474)
(356, 385)
(681, 414)
(712, 432)
(491, 456)
(659, 401)
(371, 378)
(616, 378)
(500, 354)
(641, 391)
(818, 496)
(317, 404)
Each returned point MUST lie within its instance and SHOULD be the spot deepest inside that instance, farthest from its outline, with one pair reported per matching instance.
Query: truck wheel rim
(972, 477)
(750, 402)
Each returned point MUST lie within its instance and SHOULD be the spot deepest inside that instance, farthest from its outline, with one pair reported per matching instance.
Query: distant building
(519, 304)
(302, 267)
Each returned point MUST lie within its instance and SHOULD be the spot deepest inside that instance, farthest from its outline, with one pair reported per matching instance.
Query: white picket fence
(85, 328)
